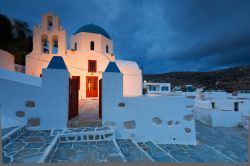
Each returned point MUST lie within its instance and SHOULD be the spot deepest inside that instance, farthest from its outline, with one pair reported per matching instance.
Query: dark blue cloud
(162, 35)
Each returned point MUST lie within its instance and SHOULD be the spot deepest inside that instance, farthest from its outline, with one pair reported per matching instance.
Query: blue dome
(92, 28)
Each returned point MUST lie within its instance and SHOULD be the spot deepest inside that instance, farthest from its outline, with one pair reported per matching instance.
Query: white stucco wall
(225, 118)
(83, 40)
(50, 94)
(217, 118)
(142, 110)
(7, 60)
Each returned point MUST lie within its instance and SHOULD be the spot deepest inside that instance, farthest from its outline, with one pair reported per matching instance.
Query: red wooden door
(74, 85)
(91, 86)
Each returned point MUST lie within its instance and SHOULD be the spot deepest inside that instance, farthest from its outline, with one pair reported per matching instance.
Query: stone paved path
(156, 152)
(131, 151)
(91, 151)
(88, 110)
(214, 145)
(27, 148)
(7, 130)
(232, 142)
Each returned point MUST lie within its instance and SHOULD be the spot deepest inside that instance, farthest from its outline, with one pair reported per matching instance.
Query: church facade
(91, 50)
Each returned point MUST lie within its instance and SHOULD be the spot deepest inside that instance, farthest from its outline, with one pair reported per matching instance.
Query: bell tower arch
(49, 37)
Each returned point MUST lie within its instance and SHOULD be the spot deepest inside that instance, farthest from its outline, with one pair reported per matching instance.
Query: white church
(46, 96)
(91, 50)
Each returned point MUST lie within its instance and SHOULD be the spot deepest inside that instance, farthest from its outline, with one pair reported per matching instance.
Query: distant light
(145, 81)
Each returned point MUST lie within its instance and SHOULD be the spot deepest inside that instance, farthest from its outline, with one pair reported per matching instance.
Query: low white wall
(203, 104)
(142, 111)
(215, 118)
(50, 94)
(225, 118)
(203, 115)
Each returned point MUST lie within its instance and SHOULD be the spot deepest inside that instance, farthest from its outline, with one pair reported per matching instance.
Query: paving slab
(27, 148)
(131, 151)
(87, 151)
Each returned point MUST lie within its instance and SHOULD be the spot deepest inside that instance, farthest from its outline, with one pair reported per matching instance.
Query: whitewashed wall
(217, 118)
(50, 94)
(6, 60)
(142, 110)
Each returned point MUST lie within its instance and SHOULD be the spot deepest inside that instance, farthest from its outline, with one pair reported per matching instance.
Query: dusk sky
(161, 35)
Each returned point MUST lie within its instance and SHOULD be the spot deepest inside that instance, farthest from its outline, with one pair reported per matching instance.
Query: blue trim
(112, 67)
(57, 62)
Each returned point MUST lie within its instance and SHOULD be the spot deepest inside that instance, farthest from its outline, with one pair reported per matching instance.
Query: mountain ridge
(229, 79)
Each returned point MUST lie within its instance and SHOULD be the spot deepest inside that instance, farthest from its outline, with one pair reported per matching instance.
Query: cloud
(162, 36)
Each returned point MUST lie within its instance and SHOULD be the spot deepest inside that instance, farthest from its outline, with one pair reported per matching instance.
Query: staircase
(77, 145)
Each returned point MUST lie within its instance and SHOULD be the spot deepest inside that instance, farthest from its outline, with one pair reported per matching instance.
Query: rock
(157, 120)
(129, 124)
(20, 113)
(177, 122)
(32, 122)
(30, 104)
(187, 130)
(121, 104)
(188, 117)
(170, 123)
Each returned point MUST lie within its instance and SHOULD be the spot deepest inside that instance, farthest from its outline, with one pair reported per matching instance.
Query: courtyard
(98, 144)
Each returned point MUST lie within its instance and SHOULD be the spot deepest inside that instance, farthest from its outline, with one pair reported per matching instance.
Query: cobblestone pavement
(91, 151)
(88, 110)
(215, 145)
(7, 130)
(132, 152)
(27, 148)
(231, 141)
(155, 152)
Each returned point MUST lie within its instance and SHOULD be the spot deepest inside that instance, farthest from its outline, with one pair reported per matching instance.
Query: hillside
(231, 79)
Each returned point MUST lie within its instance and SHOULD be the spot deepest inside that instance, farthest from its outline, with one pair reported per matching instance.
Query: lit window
(92, 66)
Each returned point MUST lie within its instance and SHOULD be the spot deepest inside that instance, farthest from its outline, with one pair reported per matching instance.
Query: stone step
(84, 123)
(87, 151)
(156, 152)
(132, 152)
(11, 134)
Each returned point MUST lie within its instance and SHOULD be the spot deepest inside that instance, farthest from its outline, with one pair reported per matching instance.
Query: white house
(157, 88)
(91, 49)
(221, 109)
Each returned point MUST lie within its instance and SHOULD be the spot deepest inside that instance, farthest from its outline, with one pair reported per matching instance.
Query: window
(75, 46)
(92, 45)
(236, 106)
(152, 88)
(213, 105)
(107, 49)
(164, 88)
(92, 66)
